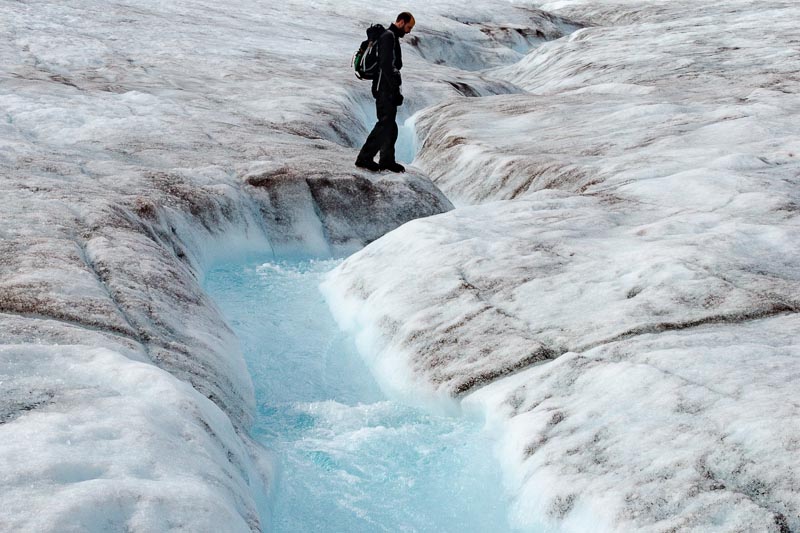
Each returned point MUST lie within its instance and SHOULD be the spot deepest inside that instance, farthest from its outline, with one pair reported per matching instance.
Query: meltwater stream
(349, 459)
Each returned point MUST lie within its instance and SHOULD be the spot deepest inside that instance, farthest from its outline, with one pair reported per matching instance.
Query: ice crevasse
(616, 291)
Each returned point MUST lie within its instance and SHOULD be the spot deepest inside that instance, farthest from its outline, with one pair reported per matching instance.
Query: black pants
(384, 134)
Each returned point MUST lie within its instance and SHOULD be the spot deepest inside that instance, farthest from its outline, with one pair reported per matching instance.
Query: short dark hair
(405, 16)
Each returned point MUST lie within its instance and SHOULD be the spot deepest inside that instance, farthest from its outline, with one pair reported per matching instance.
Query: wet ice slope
(653, 409)
(622, 296)
(348, 458)
(140, 142)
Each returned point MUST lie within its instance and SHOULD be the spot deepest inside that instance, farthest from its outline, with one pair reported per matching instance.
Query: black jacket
(390, 61)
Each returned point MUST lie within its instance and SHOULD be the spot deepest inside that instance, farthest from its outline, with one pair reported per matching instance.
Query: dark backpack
(365, 60)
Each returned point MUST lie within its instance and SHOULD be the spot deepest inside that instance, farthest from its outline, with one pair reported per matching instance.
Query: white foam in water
(349, 458)
(406, 141)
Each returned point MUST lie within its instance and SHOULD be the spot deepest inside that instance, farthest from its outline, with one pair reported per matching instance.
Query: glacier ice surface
(616, 291)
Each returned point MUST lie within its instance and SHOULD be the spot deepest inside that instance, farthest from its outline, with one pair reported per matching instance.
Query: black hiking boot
(368, 164)
(392, 167)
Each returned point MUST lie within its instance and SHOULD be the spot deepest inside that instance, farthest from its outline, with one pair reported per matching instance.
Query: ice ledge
(671, 403)
(121, 273)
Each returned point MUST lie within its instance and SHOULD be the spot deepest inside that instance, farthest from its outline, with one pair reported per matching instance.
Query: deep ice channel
(348, 458)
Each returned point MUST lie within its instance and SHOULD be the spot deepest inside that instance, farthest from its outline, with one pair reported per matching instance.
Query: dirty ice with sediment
(595, 249)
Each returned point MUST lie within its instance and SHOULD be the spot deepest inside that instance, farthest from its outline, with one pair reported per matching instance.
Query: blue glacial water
(349, 459)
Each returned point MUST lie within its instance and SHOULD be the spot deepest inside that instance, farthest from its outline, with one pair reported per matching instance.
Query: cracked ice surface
(621, 297)
(140, 142)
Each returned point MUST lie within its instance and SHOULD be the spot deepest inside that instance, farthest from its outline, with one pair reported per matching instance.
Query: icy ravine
(139, 144)
(620, 294)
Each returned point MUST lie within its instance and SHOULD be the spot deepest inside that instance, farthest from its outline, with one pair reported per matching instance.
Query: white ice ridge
(94, 439)
(141, 142)
(621, 298)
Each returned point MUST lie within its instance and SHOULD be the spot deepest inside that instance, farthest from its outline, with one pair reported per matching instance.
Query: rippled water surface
(350, 459)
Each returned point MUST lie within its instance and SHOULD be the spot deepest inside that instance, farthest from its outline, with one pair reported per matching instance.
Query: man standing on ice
(386, 90)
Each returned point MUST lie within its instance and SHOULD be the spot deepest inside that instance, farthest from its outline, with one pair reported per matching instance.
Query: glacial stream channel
(349, 459)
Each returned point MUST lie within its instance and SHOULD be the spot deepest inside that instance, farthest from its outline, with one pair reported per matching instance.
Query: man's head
(405, 21)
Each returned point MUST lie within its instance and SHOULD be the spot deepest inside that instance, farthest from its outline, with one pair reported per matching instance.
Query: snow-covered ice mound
(96, 440)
